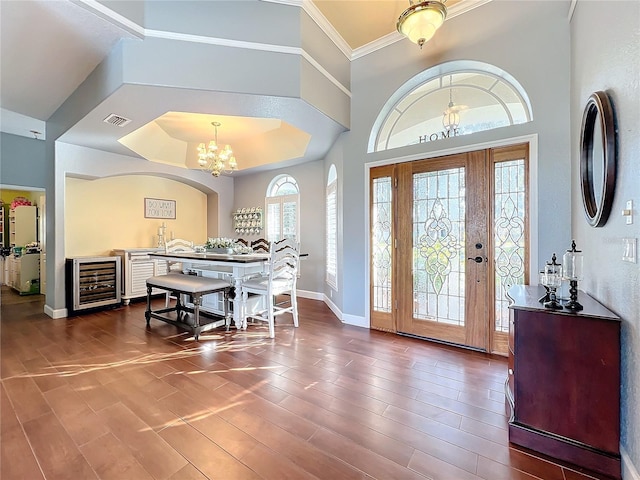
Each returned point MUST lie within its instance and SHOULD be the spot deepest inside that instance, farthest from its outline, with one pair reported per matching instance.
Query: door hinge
(395, 182)
(395, 243)
(396, 304)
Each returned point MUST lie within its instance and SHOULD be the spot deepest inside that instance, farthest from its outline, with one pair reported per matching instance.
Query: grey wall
(608, 58)
(335, 157)
(250, 191)
(497, 33)
(104, 79)
(22, 161)
(278, 75)
(247, 20)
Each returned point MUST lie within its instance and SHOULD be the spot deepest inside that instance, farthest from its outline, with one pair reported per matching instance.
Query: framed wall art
(159, 208)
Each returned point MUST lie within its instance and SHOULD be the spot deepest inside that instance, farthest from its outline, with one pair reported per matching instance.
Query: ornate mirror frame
(598, 108)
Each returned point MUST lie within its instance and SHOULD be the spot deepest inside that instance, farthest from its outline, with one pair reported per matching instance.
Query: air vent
(117, 120)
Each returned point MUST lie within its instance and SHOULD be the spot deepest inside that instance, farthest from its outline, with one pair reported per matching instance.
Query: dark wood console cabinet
(564, 380)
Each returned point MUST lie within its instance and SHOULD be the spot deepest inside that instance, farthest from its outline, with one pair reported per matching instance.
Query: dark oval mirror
(598, 159)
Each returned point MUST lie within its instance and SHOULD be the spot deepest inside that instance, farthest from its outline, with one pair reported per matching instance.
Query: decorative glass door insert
(382, 248)
(382, 245)
(448, 238)
(438, 246)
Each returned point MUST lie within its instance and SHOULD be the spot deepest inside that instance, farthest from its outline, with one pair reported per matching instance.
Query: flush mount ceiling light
(213, 161)
(420, 21)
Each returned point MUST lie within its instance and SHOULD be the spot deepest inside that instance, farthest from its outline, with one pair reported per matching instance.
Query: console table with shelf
(563, 381)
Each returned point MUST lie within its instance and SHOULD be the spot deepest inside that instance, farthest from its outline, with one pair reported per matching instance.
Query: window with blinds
(332, 229)
(282, 209)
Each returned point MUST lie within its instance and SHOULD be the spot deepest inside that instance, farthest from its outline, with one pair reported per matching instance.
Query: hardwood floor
(101, 396)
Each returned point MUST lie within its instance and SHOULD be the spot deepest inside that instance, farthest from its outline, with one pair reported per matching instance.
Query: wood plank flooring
(100, 396)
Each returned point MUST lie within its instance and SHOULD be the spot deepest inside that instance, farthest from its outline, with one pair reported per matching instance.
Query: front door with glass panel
(448, 238)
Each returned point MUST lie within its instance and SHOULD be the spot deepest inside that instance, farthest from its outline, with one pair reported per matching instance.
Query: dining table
(234, 267)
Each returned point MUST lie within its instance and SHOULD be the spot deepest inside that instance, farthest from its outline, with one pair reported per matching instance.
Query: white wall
(605, 55)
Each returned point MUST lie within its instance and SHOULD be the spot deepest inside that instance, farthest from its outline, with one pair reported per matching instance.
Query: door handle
(477, 259)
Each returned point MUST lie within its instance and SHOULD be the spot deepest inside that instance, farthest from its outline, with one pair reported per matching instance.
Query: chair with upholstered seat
(177, 245)
(281, 279)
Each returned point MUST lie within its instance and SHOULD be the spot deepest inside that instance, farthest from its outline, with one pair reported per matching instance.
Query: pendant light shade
(420, 21)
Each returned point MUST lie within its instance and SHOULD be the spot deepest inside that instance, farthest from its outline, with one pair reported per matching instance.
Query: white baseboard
(57, 313)
(334, 308)
(629, 471)
(355, 320)
(310, 295)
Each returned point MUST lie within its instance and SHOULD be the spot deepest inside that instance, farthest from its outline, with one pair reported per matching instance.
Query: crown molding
(115, 18)
(572, 9)
(388, 39)
(316, 15)
(393, 37)
(464, 7)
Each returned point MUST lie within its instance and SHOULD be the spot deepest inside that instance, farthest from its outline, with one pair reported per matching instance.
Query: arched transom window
(457, 98)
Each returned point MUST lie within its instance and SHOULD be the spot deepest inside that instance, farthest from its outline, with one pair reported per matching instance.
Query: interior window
(457, 98)
(282, 209)
(332, 228)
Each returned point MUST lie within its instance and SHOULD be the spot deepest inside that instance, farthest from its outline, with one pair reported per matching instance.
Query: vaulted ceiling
(40, 71)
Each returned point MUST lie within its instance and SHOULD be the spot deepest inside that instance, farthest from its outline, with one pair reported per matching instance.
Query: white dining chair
(260, 245)
(177, 245)
(280, 280)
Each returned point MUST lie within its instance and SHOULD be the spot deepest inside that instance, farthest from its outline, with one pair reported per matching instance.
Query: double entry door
(449, 236)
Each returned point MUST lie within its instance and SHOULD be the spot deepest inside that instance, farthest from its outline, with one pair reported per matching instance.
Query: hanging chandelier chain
(451, 117)
(450, 90)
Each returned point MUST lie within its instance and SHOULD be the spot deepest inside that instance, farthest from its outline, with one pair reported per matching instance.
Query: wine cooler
(92, 282)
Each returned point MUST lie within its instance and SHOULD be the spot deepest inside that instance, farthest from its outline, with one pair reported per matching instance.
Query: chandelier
(213, 161)
(451, 116)
(420, 21)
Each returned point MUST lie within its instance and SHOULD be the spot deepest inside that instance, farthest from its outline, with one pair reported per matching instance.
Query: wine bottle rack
(93, 282)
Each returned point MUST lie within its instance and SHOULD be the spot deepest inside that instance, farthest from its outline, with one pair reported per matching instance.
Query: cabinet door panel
(567, 377)
(140, 271)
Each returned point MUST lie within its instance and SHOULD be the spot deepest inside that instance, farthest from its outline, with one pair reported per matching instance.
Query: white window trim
(281, 200)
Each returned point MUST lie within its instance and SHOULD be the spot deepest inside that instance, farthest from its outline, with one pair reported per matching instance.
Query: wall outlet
(629, 249)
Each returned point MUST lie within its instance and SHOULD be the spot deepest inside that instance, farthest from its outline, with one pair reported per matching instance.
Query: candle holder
(162, 231)
(551, 279)
(572, 271)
